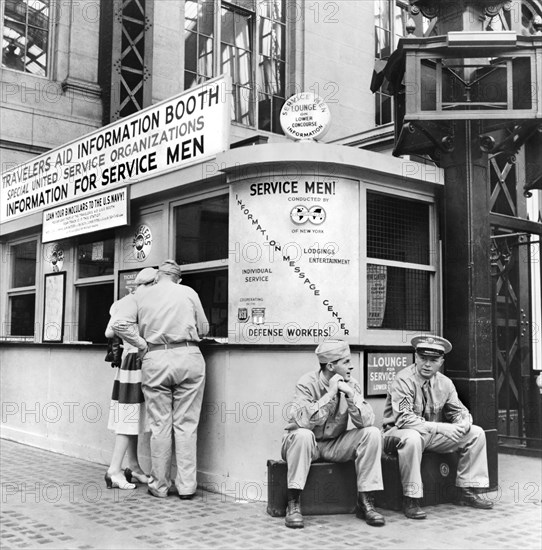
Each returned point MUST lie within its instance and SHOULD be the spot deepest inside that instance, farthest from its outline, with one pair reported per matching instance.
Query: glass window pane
(94, 304)
(38, 14)
(227, 27)
(279, 34)
(243, 102)
(212, 288)
(265, 36)
(243, 31)
(24, 264)
(201, 230)
(191, 15)
(206, 17)
(97, 257)
(26, 35)
(190, 79)
(383, 108)
(397, 298)
(191, 51)
(276, 127)
(264, 112)
(244, 69)
(397, 229)
(205, 63)
(521, 82)
(265, 8)
(272, 9)
(13, 50)
(15, 10)
(382, 43)
(22, 315)
(245, 4)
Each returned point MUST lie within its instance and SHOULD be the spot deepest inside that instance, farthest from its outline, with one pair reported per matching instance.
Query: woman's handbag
(114, 351)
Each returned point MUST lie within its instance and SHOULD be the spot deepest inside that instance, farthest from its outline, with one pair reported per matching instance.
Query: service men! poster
(293, 264)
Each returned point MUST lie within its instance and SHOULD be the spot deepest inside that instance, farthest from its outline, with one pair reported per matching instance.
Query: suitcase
(331, 488)
(438, 478)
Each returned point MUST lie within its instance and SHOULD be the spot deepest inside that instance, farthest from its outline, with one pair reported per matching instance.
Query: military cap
(434, 346)
(332, 350)
(171, 267)
(145, 276)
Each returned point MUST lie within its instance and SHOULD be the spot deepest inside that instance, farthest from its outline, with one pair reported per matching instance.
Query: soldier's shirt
(407, 406)
(312, 408)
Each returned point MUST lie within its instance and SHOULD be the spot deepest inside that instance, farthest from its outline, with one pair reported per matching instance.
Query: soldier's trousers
(364, 445)
(173, 382)
(471, 468)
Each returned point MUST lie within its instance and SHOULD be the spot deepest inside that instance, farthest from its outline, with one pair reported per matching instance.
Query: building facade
(87, 86)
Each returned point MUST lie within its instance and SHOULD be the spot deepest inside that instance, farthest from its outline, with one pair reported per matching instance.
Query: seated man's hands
(334, 384)
(346, 389)
(452, 431)
(337, 384)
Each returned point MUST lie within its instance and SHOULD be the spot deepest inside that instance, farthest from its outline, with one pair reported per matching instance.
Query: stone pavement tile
(51, 501)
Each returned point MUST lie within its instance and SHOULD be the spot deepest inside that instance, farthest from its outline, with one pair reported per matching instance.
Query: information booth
(287, 244)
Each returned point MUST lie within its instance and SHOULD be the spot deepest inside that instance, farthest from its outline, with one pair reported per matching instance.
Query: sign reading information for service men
(182, 130)
(93, 214)
(294, 277)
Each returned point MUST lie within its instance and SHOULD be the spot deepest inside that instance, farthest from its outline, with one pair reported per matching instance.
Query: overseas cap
(434, 346)
(332, 350)
(145, 276)
(171, 267)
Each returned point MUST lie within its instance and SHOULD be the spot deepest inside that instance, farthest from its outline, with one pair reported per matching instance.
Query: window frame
(390, 337)
(256, 87)
(221, 264)
(80, 283)
(423, 28)
(50, 42)
(28, 290)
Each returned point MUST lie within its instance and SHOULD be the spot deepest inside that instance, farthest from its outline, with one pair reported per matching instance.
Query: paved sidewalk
(52, 501)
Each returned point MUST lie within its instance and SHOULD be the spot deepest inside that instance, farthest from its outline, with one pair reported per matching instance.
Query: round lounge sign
(305, 116)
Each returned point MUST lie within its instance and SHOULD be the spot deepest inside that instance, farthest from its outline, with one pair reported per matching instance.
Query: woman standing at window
(127, 412)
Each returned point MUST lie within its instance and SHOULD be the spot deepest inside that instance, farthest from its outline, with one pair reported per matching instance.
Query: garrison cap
(332, 350)
(145, 276)
(171, 267)
(433, 346)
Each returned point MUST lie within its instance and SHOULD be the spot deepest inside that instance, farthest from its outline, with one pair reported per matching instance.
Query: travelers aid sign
(169, 135)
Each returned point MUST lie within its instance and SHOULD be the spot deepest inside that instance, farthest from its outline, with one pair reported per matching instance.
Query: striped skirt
(127, 411)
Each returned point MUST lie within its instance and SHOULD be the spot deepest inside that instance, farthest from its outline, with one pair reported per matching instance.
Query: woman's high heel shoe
(132, 476)
(117, 482)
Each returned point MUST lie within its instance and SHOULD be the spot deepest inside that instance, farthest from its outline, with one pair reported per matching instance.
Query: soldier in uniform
(324, 401)
(423, 412)
(165, 323)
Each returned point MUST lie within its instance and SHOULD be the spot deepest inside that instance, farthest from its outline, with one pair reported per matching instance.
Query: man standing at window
(166, 322)
(423, 412)
(324, 401)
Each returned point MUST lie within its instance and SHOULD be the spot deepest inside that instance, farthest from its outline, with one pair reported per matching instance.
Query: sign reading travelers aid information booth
(179, 131)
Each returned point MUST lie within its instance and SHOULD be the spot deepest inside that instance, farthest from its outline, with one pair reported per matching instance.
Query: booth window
(201, 248)
(245, 39)
(399, 263)
(26, 35)
(95, 285)
(22, 292)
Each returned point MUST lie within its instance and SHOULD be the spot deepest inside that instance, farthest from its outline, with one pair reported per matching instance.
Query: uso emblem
(142, 243)
(444, 469)
(300, 214)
